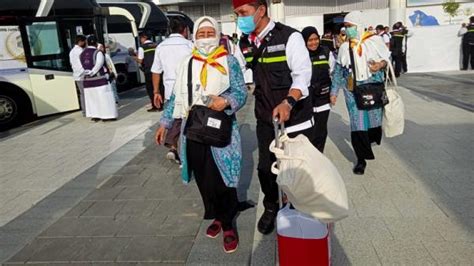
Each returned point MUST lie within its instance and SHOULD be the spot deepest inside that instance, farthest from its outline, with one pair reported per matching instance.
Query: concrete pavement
(128, 206)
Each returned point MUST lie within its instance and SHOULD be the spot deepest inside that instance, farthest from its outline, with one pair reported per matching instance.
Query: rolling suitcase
(302, 239)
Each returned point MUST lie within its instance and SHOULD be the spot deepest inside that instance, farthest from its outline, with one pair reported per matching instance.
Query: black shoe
(359, 169)
(153, 109)
(266, 224)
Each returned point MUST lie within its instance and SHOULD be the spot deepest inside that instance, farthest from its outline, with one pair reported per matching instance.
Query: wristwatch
(291, 101)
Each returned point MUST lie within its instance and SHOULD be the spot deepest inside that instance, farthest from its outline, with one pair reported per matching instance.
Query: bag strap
(190, 82)
(391, 76)
(351, 55)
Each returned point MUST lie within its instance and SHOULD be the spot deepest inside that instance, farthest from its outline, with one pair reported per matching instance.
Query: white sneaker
(172, 155)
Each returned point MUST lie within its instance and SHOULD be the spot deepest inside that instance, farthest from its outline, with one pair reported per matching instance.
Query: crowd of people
(297, 77)
(395, 38)
(200, 86)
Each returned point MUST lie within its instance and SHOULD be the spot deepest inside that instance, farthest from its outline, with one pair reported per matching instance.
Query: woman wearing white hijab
(371, 57)
(218, 84)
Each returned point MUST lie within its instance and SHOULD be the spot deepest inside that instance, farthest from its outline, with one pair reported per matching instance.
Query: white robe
(100, 100)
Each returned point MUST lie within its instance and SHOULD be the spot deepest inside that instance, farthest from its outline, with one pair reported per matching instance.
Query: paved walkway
(37, 161)
(413, 206)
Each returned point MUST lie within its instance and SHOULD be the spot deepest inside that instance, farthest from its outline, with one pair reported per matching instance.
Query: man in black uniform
(282, 75)
(146, 55)
(396, 47)
(467, 44)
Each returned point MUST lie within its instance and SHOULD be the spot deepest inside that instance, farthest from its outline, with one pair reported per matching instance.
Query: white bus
(148, 17)
(35, 39)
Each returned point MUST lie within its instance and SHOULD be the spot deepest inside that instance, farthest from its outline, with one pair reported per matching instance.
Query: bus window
(45, 47)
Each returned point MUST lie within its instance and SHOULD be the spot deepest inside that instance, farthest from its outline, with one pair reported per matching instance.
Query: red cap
(239, 3)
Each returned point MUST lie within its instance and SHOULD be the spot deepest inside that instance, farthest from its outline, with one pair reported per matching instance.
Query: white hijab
(217, 83)
(372, 49)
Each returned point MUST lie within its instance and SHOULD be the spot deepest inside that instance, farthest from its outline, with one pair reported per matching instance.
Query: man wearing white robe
(98, 94)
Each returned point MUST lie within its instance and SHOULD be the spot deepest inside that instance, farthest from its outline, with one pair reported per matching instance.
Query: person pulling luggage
(282, 76)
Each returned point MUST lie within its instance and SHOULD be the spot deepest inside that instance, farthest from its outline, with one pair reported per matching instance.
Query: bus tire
(15, 107)
(122, 78)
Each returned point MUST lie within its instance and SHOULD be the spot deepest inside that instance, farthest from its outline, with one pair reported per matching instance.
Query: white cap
(354, 18)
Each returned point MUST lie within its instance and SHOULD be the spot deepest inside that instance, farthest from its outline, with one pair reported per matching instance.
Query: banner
(433, 49)
(12, 54)
(435, 16)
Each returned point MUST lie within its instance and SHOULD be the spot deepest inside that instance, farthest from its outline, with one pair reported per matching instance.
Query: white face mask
(207, 45)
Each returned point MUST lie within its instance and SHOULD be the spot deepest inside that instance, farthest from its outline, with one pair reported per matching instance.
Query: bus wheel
(9, 114)
(122, 78)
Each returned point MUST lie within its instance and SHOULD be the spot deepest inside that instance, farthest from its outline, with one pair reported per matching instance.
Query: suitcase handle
(278, 133)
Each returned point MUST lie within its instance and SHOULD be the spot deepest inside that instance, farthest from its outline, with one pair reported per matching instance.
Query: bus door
(51, 78)
(71, 28)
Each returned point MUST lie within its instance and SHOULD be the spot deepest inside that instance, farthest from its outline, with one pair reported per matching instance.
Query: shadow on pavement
(441, 156)
(248, 166)
(340, 137)
(129, 103)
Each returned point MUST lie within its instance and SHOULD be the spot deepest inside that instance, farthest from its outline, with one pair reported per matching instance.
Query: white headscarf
(373, 48)
(217, 82)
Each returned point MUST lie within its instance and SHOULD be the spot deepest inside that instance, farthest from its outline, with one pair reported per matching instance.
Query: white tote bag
(394, 112)
(309, 179)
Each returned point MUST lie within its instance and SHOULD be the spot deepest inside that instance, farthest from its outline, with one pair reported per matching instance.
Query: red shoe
(214, 229)
(231, 242)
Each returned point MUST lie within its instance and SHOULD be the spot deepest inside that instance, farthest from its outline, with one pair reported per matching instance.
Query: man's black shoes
(266, 224)
(359, 169)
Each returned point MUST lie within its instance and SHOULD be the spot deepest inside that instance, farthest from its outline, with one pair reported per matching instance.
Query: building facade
(425, 18)
(297, 13)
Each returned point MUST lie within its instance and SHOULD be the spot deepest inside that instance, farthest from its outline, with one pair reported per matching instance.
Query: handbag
(394, 112)
(370, 95)
(205, 125)
(309, 179)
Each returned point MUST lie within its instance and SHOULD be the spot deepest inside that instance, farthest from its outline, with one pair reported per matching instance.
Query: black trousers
(149, 88)
(404, 62)
(467, 53)
(80, 94)
(362, 142)
(397, 62)
(265, 135)
(220, 201)
(320, 130)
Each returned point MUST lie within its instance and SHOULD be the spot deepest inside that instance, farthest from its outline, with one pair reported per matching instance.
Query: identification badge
(214, 123)
(322, 57)
(276, 48)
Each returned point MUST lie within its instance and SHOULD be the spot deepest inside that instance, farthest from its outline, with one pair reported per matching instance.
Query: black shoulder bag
(205, 125)
(370, 95)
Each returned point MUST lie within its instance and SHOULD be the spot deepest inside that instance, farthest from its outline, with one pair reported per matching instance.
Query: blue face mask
(351, 32)
(247, 24)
